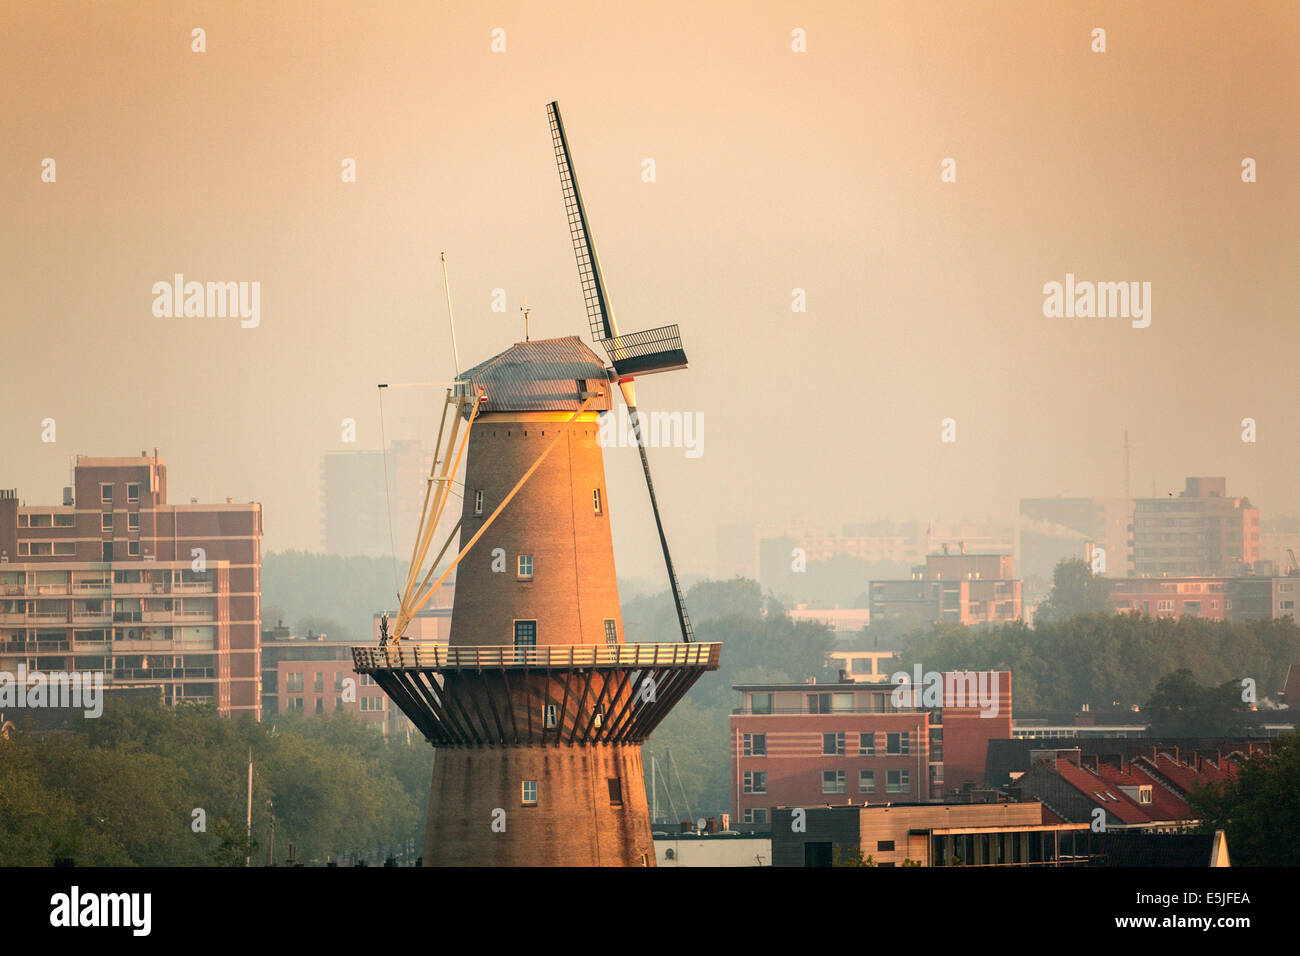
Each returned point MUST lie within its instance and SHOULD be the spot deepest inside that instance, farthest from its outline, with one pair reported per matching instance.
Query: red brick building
(314, 676)
(1209, 598)
(117, 580)
(819, 744)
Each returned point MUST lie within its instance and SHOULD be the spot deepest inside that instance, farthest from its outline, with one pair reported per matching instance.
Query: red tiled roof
(1165, 803)
(1184, 778)
(1103, 793)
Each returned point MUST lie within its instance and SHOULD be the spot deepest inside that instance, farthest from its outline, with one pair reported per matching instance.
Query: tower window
(478, 502)
(525, 633)
(528, 793)
(595, 501)
(611, 631)
(525, 565)
(549, 715)
(615, 792)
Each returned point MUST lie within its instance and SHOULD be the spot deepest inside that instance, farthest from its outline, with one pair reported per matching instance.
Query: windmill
(639, 353)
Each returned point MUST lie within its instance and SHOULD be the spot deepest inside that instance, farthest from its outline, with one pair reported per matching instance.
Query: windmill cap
(544, 375)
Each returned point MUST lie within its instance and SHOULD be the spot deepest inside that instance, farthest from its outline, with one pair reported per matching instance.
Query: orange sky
(775, 170)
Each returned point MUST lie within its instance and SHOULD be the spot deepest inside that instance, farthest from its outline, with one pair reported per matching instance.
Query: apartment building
(1202, 531)
(314, 676)
(845, 742)
(957, 588)
(117, 580)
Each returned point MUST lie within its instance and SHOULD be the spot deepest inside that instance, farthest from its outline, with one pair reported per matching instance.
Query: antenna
(525, 310)
(1127, 485)
(455, 355)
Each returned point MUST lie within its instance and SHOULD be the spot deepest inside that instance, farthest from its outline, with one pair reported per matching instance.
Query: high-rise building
(355, 505)
(116, 580)
(1052, 530)
(1200, 532)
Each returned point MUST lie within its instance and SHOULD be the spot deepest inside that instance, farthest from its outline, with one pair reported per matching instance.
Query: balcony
(193, 587)
(164, 673)
(425, 655)
(48, 616)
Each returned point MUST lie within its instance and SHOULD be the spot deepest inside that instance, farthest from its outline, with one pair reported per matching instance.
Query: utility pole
(248, 860)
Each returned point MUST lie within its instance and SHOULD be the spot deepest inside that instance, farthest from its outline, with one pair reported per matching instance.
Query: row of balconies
(133, 587)
(106, 618)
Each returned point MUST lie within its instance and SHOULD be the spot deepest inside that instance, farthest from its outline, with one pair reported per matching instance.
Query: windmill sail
(640, 353)
(599, 314)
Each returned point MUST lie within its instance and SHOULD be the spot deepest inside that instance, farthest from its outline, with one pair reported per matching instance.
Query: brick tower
(537, 707)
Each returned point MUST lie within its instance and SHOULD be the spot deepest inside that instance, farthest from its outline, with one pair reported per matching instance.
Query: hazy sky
(775, 170)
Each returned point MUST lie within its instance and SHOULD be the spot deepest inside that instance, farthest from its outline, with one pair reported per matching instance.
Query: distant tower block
(537, 707)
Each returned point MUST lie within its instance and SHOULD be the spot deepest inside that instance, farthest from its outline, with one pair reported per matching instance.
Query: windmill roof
(540, 376)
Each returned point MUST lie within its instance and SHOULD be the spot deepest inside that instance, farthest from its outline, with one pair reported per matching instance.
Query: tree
(1075, 590)
(850, 856)
(1180, 707)
(234, 847)
(1259, 808)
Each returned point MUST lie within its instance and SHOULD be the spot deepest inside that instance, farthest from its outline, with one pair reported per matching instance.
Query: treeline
(123, 790)
(1111, 659)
